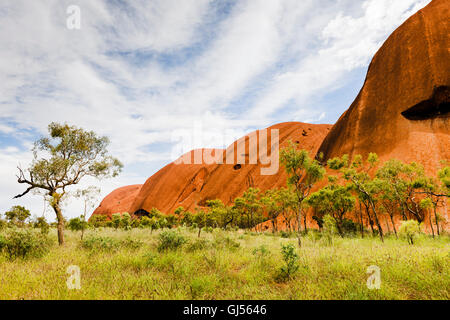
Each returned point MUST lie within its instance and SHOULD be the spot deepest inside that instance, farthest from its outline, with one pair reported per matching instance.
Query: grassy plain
(230, 265)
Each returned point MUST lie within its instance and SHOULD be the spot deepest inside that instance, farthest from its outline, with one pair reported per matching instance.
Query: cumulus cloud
(141, 71)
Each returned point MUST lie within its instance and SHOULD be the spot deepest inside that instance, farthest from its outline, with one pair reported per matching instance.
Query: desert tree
(224, 216)
(78, 224)
(89, 196)
(249, 207)
(389, 202)
(394, 185)
(17, 215)
(272, 207)
(62, 160)
(358, 173)
(287, 201)
(202, 219)
(334, 200)
(436, 193)
(303, 173)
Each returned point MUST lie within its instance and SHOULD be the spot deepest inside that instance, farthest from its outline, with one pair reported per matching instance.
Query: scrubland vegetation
(390, 216)
(176, 264)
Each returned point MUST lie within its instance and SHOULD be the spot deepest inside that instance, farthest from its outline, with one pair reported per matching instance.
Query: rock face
(191, 185)
(118, 201)
(403, 110)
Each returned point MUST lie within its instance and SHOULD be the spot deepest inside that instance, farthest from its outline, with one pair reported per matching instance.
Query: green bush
(24, 243)
(410, 230)
(130, 243)
(42, 224)
(291, 266)
(329, 228)
(285, 235)
(261, 252)
(223, 241)
(170, 240)
(349, 227)
(3, 224)
(100, 243)
(198, 244)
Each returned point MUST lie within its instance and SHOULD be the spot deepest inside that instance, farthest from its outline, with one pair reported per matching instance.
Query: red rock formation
(118, 201)
(191, 185)
(403, 109)
(401, 112)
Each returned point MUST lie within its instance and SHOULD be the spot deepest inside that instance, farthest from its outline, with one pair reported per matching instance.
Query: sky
(147, 74)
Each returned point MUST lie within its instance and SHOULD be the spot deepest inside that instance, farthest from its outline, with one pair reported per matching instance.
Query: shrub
(149, 259)
(409, 230)
(3, 224)
(226, 242)
(126, 221)
(349, 227)
(329, 228)
(116, 219)
(261, 252)
(135, 223)
(285, 234)
(42, 224)
(98, 221)
(17, 216)
(130, 243)
(24, 244)
(291, 266)
(100, 243)
(77, 224)
(170, 240)
(201, 285)
(198, 244)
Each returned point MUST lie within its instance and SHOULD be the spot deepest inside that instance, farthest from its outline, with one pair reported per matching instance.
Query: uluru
(401, 112)
(191, 185)
(403, 109)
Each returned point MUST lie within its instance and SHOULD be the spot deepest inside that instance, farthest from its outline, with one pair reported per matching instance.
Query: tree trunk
(199, 231)
(304, 223)
(370, 220)
(361, 221)
(60, 220)
(393, 226)
(387, 226)
(436, 220)
(299, 235)
(431, 224)
(380, 230)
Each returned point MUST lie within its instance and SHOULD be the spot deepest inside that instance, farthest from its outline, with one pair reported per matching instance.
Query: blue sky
(145, 73)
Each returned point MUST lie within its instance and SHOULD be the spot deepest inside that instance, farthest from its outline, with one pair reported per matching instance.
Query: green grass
(227, 266)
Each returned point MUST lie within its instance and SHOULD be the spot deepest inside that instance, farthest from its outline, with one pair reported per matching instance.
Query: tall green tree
(249, 207)
(17, 215)
(334, 200)
(89, 196)
(359, 173)
(63, 159)
(222, 215)
(303, 173)
(272, 207)
(287, 200)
